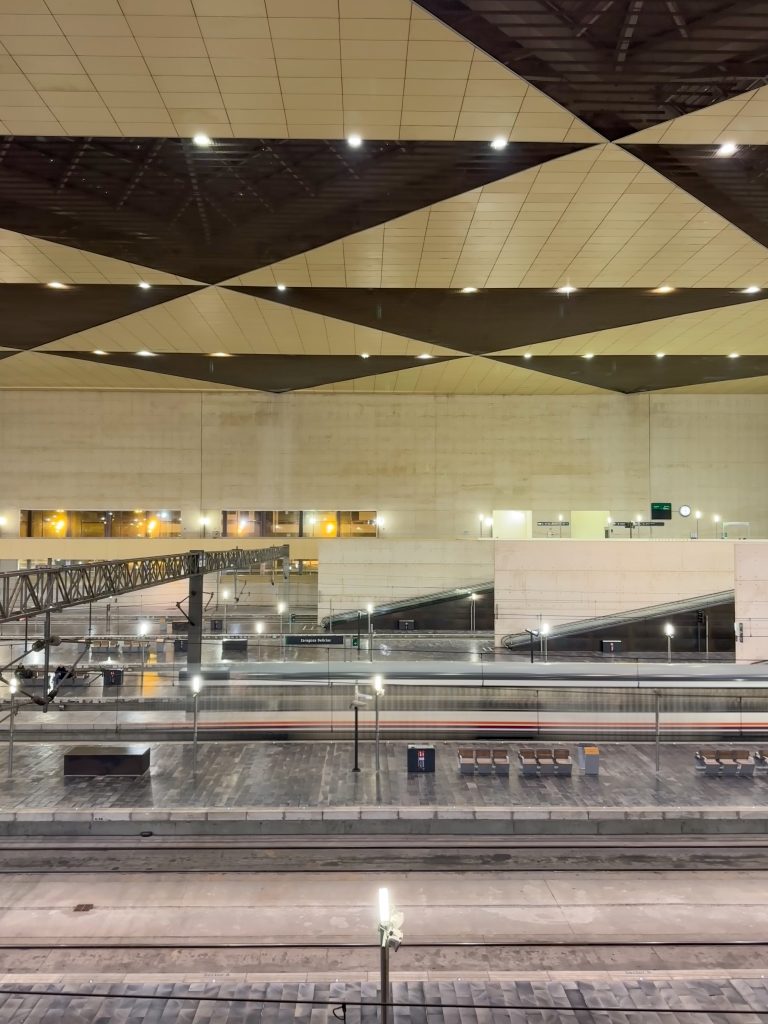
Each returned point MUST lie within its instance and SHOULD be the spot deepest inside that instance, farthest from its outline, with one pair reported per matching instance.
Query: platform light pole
(197, 684)
(544, 631)
(369, 609)
(697, 516)
(390, 937)
(718, 528)
(12, 686)
(378, 691)
(473, 598)
(359, 701)
(259, 631)
(669, 632)
(532, 633)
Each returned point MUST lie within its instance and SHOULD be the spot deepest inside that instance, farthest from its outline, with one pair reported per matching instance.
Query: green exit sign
(661, 510)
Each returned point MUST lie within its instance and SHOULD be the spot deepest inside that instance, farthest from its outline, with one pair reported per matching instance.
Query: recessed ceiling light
(727, 149)
(499, 142)
(145, 352)
(364, 355)
(99, 352)
(527, 355)
(664, 289)
(566, 289)
(469, 290)
(220, 355)
(56, 284)
(589, 355)
(201, 139)
(733, 355)
(355, 141)
(659, 355)
(144, 285)
(753, 289)
(281, 287)
(424, 355)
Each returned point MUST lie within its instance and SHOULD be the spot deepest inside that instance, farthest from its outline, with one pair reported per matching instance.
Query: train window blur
(60, 523)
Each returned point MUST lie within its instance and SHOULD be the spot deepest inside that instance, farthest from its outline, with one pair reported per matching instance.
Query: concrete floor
(320, 908)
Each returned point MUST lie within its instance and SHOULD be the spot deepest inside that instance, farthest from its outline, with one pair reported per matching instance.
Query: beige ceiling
(258, 68)
(742, 119)
(596, 218)
(35, 370)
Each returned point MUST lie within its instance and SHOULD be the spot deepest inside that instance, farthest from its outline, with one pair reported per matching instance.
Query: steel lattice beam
(33, 591)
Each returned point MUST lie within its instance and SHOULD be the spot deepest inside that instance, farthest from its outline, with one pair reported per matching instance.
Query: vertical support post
(657, 714)
(10, 730)
(356, 767)
(531, 648)
(376, 713)
(194, 732)
(384, 971)
(195, 615)
(47, 636)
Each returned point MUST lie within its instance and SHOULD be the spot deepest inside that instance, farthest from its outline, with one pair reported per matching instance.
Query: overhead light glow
(56, 284)
(144, 285)
(733, 355)
(469, 290)
(589, 355)
(355, 141)
(281, 287)
(527, 355)
(659, 355)
(424, 355)
(99, 352)
(753, 289)
(365, 355)
(566, 289)
(201, 139)
(727, 149)
(220, 355)
(669, 629)
(145, 352)
(383, 906)
(664, 289)
(499, 142)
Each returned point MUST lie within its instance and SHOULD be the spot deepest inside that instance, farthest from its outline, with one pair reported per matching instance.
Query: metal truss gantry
(29, 592)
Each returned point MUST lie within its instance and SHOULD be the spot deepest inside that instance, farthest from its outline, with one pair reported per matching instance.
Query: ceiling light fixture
(589, 355)
(364, 355)
(659, 355)
(664, 289)
(499, 142)
(145, 352)
(566, 289)
(527, 355)
(281, 287)
(424, 355)
(752, 289)
(469, 290)
(203, 140)
(220, 355)
(733, 355)
(144, 285)
(355, 141)
(56, 284)
(99, 352)
(727, 149)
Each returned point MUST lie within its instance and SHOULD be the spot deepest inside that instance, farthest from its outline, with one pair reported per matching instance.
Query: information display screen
(661, 510)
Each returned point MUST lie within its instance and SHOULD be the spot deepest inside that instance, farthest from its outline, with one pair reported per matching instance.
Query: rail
(27, 592)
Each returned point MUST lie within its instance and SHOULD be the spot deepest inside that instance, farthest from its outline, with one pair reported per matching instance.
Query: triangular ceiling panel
(621, 66)
(256, 373)
(44, 370)
(497, 319)
(742, 120)
(632, 374)
(32, 315)
(212, 213)
(599, 217)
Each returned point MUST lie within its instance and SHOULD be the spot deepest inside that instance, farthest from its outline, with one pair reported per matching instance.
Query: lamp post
(196, 683)
(259, 631)
(532, 633)
(698, 520)
(12, 686)
(669, 632)
(718, 528)
(481, 520)
(203, 524)
(390, 937)
(369, 609)
(358, 702)
(378, 691)
(281, 613)
(473, 598)
(544, 632)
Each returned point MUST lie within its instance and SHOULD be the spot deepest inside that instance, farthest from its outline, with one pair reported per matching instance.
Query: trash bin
(610, 646)
(112, 676)
(588, 758)
(406, 625)
(421, 759)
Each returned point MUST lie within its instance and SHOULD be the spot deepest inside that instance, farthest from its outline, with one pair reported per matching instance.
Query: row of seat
(725, 762)
(483, 760)
(552, 761)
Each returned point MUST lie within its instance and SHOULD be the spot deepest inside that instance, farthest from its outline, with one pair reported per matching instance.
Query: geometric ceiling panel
(741, 119)
(43, 370)
(474, 375)
(599, 217)
(632, 374)
(212, 213)
(255, 372)
(496, 319)
(32, 315)
(274, 70)
(621, 67)
(734, 186)
(216, 319)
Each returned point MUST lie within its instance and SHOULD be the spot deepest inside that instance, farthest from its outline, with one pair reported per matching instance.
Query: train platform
(294, 786)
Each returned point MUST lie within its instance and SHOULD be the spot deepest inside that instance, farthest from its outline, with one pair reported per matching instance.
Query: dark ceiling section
(621, 65)
(496, 318)
(258, 372)
(34, 314)
(210, 214)
(633, 374)
(736, 187)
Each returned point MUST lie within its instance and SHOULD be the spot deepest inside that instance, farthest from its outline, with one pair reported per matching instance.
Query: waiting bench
(545, 761)
(716, 763)
(483, 760)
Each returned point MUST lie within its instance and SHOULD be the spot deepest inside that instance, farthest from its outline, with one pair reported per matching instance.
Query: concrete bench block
(341, 814)
(265, 814)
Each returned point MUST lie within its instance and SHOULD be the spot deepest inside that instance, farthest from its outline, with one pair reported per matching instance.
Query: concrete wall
(428, 464)
(542, 581)
(376, 571)
(751, 572)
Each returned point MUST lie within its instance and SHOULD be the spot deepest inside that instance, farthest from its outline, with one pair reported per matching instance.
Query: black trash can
(421, 758)
(112, 676)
